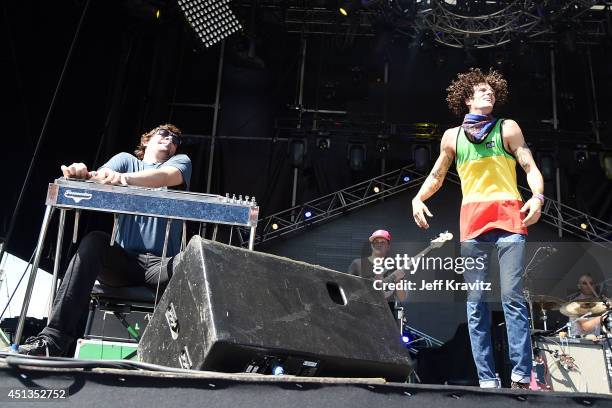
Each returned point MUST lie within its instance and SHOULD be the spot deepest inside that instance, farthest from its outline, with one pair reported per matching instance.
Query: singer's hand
(419, 209)
(533, 209)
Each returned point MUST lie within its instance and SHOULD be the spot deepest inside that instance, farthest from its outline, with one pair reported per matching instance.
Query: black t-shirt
(364, 268)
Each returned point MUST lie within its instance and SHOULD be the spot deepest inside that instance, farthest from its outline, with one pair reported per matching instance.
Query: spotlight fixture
(308, 214)
(212, 20)
(422, 156)
(547, 166)
(349, 7)
(607, 165)
(356, 156)
(297, 151)
(323, 143)
(376, 189)
(583, 226)
(383, 145)
(581, 156)
(275, 226)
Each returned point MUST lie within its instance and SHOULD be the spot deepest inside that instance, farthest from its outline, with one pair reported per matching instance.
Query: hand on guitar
(396, 276)
(77, 171)
(108, 176)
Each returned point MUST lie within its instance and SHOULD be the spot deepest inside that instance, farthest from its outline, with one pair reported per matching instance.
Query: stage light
(308, 214)
(607, 165)
(275, 226)
(212, 21)
(356, 156)
(547, 167)
(297, 151)
(583, 226)
(421, 158)
(499, 58)
(406, 339)
(581, 156)
(376, 189)
(157, 14)
(323, 143)
(406, 179)
(348, 7)
(383, 145)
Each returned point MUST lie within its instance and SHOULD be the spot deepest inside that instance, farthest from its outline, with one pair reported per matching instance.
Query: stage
(96, 384)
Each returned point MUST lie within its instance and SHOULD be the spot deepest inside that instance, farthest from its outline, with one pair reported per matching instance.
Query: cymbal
(546, 302)
(580, 307)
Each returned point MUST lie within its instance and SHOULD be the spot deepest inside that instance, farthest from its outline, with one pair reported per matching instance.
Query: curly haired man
(135, 259)
(485, 150)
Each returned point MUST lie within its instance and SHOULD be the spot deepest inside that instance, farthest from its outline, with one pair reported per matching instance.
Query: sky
(13, 268)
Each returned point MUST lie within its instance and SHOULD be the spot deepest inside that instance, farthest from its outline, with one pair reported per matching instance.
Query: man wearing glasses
(135, 259)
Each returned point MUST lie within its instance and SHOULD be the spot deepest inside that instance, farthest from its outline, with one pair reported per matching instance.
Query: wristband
(539, 197)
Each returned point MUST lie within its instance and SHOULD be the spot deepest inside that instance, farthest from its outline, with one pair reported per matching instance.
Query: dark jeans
(112, 266)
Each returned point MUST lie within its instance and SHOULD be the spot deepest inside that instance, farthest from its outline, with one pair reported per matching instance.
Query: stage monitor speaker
(232, 310)
(574, 365)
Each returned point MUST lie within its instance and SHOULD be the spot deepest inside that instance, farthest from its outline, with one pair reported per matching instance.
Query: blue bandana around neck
(477, 127)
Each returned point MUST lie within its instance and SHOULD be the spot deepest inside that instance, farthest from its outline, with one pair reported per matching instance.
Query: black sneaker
(39, 346)
(519, 386)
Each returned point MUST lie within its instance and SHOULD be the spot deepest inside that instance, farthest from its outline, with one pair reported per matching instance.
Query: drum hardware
(545, 303)
(582, 307)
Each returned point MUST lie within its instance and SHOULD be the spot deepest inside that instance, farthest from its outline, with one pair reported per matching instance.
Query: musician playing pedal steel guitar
(486, 150)
(135, 258)
(380, 242)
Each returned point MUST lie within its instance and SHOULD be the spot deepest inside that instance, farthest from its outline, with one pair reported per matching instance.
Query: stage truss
(324, 209)
(457, 23)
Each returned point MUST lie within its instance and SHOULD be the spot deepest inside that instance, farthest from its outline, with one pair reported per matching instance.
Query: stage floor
(99, 384)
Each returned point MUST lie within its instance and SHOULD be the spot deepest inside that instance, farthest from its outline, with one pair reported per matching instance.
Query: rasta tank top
(491, 199)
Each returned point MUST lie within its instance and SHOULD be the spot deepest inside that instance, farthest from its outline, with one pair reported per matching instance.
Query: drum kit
(575, 310)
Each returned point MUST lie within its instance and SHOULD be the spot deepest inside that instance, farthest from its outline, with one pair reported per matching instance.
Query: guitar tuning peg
(233, 198)
(240, 198)
(246, 199)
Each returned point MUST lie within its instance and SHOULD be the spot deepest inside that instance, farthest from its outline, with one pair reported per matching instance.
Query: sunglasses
(176, 139)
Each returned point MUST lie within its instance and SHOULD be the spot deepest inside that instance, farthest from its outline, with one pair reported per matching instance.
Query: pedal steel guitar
(71, 194)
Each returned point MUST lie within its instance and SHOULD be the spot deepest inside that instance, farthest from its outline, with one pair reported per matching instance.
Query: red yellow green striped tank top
(491, 199)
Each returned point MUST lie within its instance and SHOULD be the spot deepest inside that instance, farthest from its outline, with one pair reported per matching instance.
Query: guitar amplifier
(575, 365)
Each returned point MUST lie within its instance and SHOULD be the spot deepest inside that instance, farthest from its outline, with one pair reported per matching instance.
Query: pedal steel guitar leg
(30, 288)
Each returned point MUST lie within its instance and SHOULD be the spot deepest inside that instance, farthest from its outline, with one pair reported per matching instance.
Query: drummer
(583, 327)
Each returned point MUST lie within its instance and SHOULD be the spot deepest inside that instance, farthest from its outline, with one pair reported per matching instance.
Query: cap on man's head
(380, 234)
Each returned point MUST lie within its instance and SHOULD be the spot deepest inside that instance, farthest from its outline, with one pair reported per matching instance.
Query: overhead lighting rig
(212, 20)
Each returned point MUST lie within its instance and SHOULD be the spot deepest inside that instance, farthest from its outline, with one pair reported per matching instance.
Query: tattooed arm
(515, 143)
(434, 181)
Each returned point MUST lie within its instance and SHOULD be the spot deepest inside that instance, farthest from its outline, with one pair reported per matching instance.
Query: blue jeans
(511, 251)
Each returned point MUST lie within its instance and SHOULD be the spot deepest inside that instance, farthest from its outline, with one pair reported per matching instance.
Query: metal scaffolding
(458, 24)
(326, 208)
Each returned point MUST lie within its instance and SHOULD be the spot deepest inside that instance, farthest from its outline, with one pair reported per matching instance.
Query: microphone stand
(527, 278)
